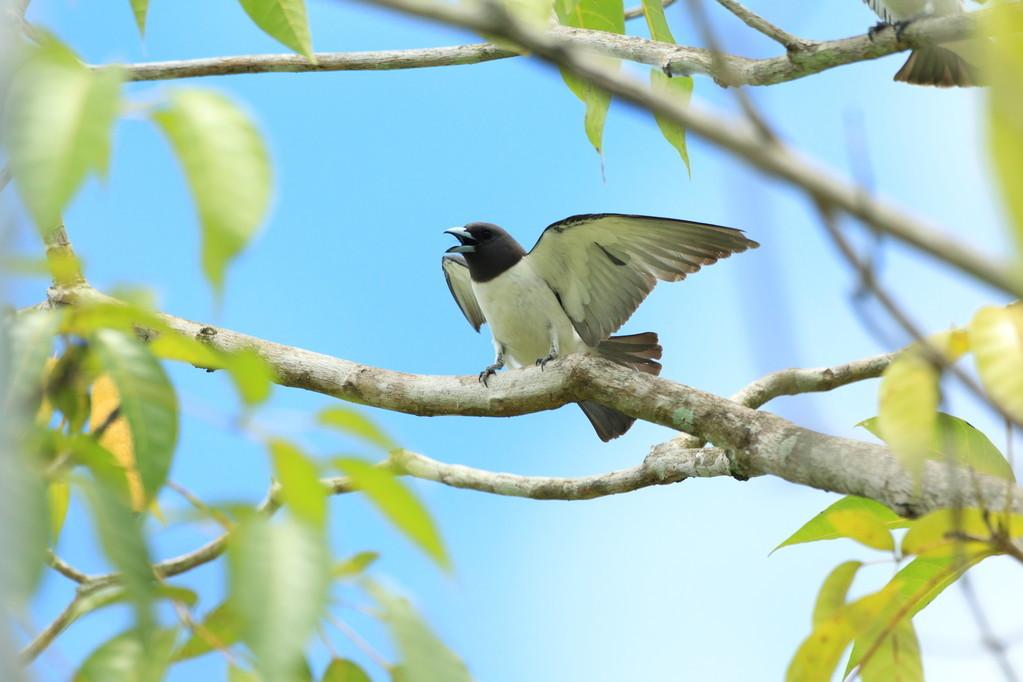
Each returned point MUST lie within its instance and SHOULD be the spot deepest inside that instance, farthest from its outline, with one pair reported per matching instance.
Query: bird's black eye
(486, 234)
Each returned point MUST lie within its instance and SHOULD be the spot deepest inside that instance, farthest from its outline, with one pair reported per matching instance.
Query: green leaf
(58, 495)
(356, 424)
(897, 658)
(236, 674)
(910, 591)
(24, 513)
(301, 490)
(680, 87)
(220, 629)
(279, 578)
(251, 374)
(67, 386)
(863, 527)
(908, 408)
(283, 20)
(424, 658)
(148, 402)
(820, 527)
(833, 592)
(930, 535)
(30, 340)
(819, 653)
(120, 534)
(958, 439)
(344, 670)
(129, 658)
(398, 504)
(228, 169)
(597, 15)
(140, 8)
(58, 127)
(1004, 72)
(354, 565)
(996, 336)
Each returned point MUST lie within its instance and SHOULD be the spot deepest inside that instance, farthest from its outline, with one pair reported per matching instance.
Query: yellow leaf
(818, 655)
(116, 436)
(952, 344)
(833, 592)
(59, 495)
(996, 336)
(896, 658)
(936, 533)
(863, 527)
(908, 408)
(45, 411)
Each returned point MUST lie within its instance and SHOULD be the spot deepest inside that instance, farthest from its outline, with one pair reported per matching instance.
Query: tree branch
(638, 11)
(758, 23)
(809, 59)
(741, 139)
(756, 443)
(66, 569)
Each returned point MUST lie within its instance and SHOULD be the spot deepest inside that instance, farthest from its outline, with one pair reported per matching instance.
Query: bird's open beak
(467, 241)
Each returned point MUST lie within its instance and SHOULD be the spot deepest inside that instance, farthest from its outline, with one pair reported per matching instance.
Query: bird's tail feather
(939, 66)
(639, 351)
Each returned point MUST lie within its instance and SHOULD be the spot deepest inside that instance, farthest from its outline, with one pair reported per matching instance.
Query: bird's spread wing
(456, 272)
(601, 267)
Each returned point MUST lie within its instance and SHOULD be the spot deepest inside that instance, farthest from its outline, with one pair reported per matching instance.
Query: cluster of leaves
(909, 396)
(59, 129)
(941, 547)
(944, 544)
(102, 418)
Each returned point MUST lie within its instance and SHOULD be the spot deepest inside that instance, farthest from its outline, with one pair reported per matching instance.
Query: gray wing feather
(602, 266)
(880, 10)
(456, 273)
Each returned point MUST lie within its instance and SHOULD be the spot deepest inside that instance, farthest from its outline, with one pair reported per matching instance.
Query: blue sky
(667, 583)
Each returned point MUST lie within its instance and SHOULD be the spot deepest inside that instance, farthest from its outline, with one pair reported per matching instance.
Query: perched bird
(940, 65)
(582, 280)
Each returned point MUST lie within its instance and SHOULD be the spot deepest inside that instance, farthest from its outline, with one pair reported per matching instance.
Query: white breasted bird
(943, 65)
(582, 280)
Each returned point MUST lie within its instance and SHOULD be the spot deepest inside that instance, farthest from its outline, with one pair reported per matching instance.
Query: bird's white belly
(524, 316)
(912, 9)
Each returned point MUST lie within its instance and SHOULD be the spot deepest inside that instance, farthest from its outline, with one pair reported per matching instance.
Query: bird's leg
(900, 28)
(877, 28)
(542, 362)
(490, 370)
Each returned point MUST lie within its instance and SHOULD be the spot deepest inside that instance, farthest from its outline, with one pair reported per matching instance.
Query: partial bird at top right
(947, 65)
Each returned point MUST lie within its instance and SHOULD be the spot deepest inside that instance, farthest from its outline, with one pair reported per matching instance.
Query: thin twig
(56, 626)
(638, 11)
(66, 569)
(358, 641)
(988, 638)
(676, 60)
(758, 23)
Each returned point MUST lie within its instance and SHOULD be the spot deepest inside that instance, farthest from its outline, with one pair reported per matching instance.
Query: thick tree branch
(740, 138)
(808, 59)
(756, 443)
